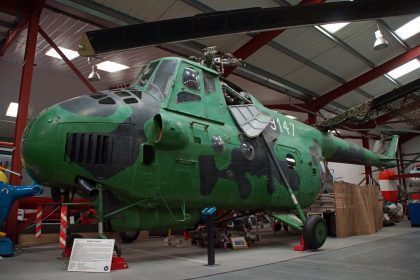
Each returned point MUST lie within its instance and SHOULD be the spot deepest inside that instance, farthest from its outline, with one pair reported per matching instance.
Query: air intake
(89, 148)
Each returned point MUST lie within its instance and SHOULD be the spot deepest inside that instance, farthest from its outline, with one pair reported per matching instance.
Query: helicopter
(180, 139)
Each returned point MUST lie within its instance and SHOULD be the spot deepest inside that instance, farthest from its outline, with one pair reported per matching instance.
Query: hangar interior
(366, 68)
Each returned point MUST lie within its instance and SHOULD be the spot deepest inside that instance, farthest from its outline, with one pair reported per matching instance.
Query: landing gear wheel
(129, 236)
(314, 232)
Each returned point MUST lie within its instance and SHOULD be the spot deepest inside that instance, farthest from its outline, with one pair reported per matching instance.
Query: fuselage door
(215, 105)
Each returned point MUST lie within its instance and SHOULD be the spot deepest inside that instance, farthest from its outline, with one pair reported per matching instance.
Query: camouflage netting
(406, 109)
(356, 114)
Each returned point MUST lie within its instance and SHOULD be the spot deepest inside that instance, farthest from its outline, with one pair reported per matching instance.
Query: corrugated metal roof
(262, 93)
(341, 63)
(150, 10)
(274, 61)
(351, 99)
(312, 80)
(238, 4)
(360, 36)
(378, 86)
(306, 41)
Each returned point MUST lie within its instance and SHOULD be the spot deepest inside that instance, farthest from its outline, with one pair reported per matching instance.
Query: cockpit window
(191, 79)
(160, 84)
(147, 72)
(209, 84)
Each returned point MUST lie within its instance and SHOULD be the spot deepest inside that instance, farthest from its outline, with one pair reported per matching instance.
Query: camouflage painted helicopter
(180, 139)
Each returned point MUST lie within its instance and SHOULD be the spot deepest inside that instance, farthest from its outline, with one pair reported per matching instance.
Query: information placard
(91, 255)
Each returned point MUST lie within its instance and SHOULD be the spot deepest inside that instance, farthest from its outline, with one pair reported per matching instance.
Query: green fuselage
(168, 148)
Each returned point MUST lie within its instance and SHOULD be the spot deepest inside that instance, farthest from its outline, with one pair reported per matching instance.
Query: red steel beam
(12, 34)
(261, 40)
(311, 119)
(320, 102)
(67, 61)
(22, 117)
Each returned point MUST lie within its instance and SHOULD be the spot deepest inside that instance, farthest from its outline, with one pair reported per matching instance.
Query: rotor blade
(238, 21)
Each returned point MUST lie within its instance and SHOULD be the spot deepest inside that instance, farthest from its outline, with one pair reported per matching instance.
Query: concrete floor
(392, 253)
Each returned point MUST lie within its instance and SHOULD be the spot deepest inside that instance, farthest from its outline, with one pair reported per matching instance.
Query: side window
(146, 73)
(209, 84)
(161, 81)
(191, 79)
(184, 96)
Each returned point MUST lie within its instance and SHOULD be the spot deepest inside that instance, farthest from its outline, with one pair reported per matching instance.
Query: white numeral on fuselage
(289, 128)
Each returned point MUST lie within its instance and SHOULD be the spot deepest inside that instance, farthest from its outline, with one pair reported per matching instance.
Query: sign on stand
(91, 255)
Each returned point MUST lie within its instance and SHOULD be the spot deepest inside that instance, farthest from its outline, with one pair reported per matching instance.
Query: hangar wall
(410, 147)
(350, 173)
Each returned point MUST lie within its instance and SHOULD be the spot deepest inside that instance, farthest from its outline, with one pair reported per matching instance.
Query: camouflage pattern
(166, 154)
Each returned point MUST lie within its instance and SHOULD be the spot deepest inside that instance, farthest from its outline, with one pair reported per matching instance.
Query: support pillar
(210, 241)
(368, 169)
(401, 169)
(311, 119)
(24, 95)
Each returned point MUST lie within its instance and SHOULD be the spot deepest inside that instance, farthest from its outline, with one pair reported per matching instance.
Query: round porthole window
(218, 144)
(248, 150)
(291, 162)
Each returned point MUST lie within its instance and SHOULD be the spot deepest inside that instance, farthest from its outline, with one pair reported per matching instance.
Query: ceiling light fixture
(380, 42)
(12, 111)
(111, 67)
(70, 54)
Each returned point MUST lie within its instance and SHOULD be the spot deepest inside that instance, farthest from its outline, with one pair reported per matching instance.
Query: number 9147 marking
(286, 127)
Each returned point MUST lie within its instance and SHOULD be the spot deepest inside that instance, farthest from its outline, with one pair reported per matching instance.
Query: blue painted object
(6, 247)
(8, 195)
(414, 212)
(208, 211)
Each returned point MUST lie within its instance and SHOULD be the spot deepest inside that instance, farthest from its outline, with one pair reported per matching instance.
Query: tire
(129, 236)
(314, 232)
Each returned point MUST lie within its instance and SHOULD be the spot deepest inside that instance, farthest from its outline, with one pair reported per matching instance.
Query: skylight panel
(409, 29)
(70, 54)
(334, 27)
(12, 110)
(405, 69)
(111, 67)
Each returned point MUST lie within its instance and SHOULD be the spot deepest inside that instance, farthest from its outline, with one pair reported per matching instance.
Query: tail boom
(335, 149)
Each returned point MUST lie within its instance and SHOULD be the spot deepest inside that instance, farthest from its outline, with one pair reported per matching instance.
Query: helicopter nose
(39, 145)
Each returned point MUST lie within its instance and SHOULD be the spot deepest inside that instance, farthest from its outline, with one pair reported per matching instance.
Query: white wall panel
(349, 173)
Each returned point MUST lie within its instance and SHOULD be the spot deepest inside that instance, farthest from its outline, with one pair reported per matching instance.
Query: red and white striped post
(63, 227)
(389, 187)
(38, 222)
